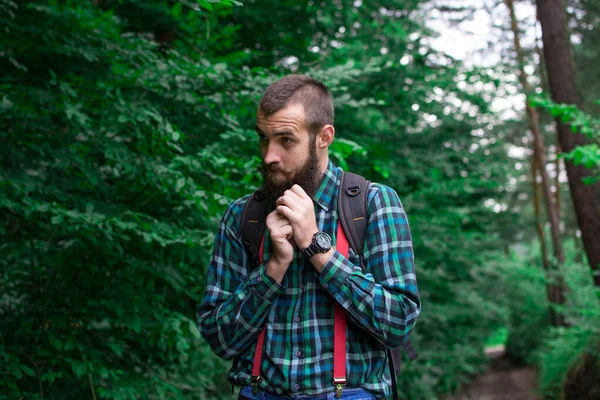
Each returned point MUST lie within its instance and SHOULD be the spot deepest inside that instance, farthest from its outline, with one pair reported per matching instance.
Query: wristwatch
(321, 243)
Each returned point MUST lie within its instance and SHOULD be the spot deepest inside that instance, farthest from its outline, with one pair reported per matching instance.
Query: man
(293, 292)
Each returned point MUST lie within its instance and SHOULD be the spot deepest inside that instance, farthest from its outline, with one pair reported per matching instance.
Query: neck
(323, 163)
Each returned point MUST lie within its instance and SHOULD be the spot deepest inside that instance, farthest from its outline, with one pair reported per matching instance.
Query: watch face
(323, 240)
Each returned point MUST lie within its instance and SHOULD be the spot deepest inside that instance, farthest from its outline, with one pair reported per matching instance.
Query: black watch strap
(310, 251)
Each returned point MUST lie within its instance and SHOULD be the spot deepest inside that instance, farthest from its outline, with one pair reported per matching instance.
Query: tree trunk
(537, 207)
(538, 140)
(557, 181)
(553, 289)
(546, 89)
(561, 79)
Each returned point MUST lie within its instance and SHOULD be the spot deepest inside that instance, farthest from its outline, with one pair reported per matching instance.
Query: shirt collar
(328, 186)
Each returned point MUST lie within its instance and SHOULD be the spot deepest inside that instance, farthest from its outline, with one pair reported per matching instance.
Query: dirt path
(503, 381)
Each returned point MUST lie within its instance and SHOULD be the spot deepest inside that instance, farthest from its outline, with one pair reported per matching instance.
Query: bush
(569, 359)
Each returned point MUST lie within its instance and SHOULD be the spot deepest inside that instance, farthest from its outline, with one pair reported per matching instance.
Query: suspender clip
(339, 386)
(255, 381)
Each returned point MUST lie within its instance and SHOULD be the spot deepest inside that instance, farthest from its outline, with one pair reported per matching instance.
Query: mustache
(270, 168)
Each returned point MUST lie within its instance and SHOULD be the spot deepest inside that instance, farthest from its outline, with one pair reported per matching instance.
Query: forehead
(290, 117)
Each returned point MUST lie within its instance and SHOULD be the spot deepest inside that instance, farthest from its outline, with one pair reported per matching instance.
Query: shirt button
(325, 285)
(297, 319)
(296, 386)
(259, 279)
(301, 287)
(298, 353)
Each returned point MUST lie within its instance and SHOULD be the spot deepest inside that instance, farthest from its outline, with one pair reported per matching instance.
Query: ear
(325, 136)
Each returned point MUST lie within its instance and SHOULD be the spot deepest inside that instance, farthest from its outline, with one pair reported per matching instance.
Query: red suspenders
(255, 377)
(339, 332)
(339, 326)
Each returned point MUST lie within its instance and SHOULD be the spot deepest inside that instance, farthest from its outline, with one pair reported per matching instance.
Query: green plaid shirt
(382, 302)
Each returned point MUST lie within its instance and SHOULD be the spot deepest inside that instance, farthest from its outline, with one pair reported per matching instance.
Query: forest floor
(502, 381)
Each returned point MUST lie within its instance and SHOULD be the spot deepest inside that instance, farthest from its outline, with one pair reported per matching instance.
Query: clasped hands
(291, 222)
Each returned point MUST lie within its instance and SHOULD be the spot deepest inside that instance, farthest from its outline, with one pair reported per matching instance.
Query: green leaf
(70, 344)
(136, 324)
(55, 342)
(79, 369)
(180, 184)
(194, 329)
(177, 8)
(205, 4)
(115, 347)
(28, 371)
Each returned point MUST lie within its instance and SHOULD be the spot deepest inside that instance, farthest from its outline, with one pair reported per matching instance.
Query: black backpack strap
(352, 209)
(394, 360)
(409, 349)
(254, 222)
(395, 355)
(353, 214)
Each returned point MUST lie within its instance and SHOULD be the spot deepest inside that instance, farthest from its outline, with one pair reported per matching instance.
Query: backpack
(352, 209)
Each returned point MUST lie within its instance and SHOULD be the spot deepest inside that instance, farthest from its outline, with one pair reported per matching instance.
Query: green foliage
(580, 122)
(526, 319)
(127, 128)
(108, 224)
(531, 339)
(565, 347)
(498, 338)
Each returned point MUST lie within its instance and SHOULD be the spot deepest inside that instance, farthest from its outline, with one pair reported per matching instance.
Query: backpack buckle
(353, 191)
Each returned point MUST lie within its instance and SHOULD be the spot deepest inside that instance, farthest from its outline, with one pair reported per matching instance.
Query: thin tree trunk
(553, 290)
(537, 207)
(557, 182)
(538, 140)
(561, 79)
(542, 66)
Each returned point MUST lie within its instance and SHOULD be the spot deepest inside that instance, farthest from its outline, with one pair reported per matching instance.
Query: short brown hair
(300, 89)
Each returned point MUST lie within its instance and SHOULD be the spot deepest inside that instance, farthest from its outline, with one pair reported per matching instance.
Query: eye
(286, 140)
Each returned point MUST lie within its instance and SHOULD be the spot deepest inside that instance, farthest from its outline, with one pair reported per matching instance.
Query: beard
(277, 180)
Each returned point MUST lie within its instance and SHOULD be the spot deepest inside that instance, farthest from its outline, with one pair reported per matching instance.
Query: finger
(276, 219)
(289, 214)
(290, 194)
(273, 215)
(287, 231)
(284, 223)
(289, 199)
(297, 190)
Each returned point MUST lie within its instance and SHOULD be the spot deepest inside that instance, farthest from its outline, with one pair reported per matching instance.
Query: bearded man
(292, 293)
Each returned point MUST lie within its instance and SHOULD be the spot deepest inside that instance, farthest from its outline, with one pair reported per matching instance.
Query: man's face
(288, 151)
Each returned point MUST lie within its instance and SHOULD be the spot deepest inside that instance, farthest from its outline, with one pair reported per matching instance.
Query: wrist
(276, 269)
(308, 240)
(320, 259)
(278, 262)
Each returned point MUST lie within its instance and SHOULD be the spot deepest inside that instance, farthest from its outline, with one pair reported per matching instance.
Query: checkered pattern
(382, 302)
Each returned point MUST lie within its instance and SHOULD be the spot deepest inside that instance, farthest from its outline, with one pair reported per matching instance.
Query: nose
(271, 156)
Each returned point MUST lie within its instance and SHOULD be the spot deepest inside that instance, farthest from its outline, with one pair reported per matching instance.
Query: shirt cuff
(335, 273)
(263, 285)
